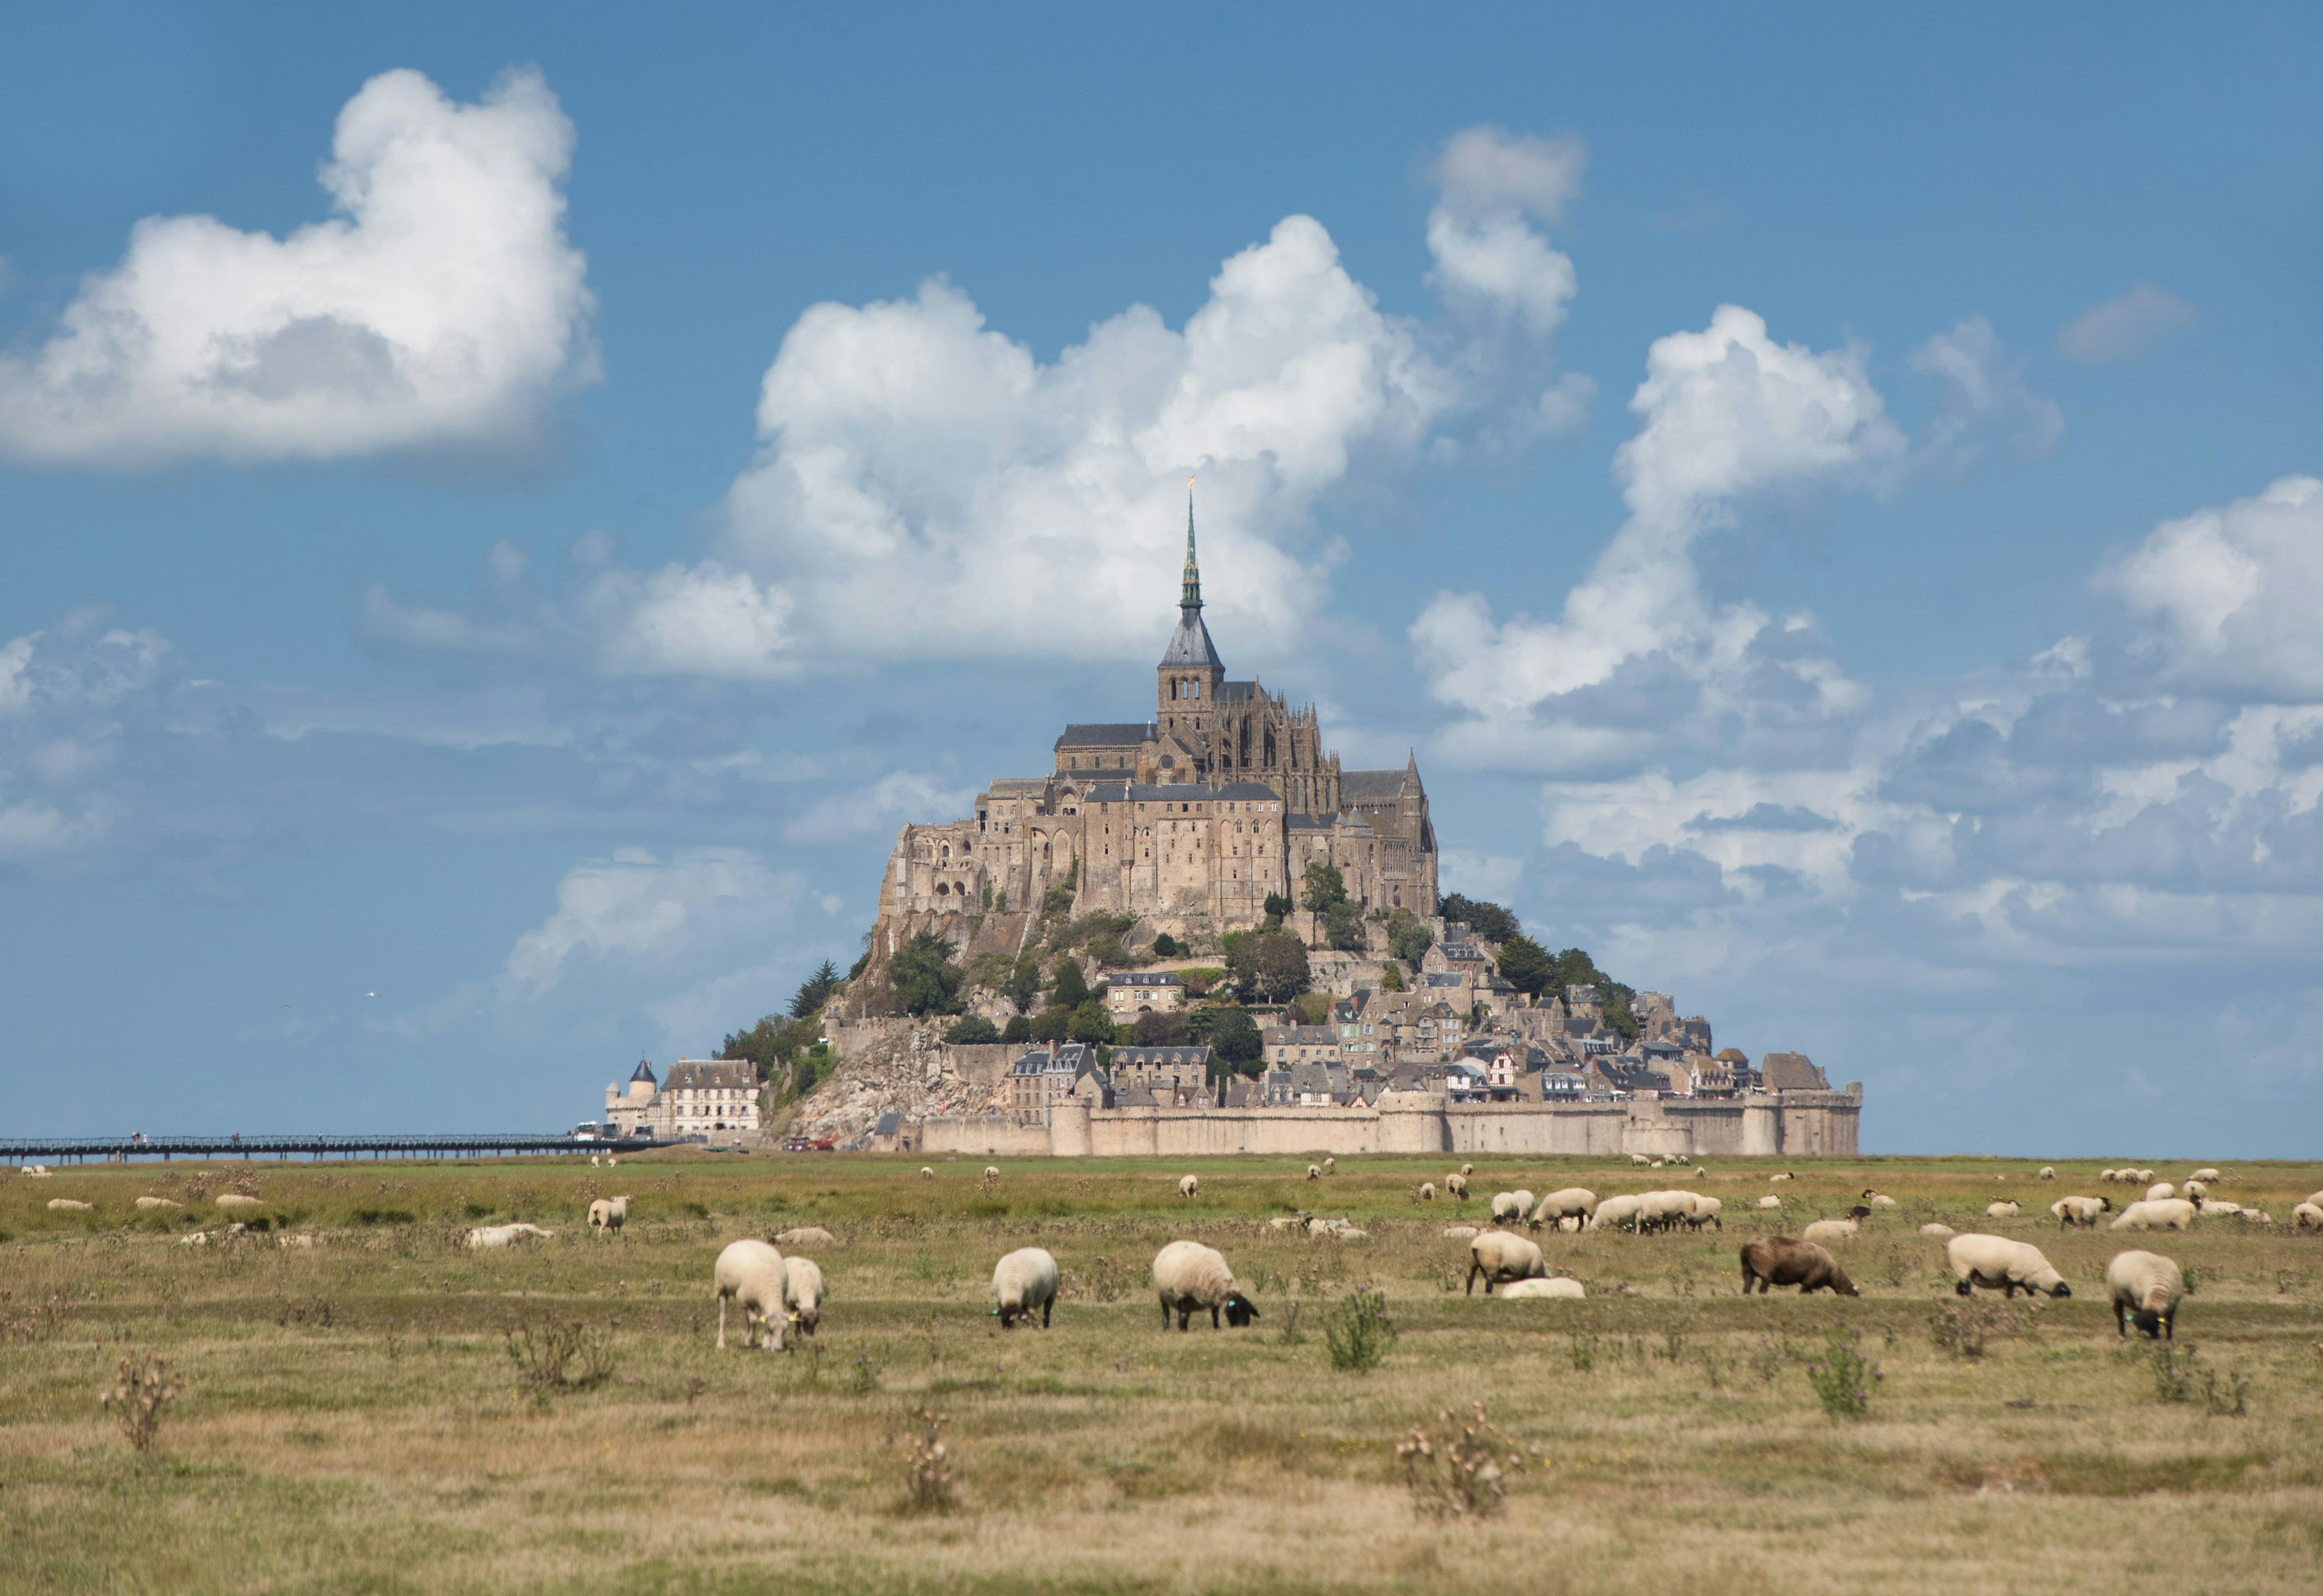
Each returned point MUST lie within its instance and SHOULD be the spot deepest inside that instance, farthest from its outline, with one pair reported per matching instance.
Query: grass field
(354, 1420)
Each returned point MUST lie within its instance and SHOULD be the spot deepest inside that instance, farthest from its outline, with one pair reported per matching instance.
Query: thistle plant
(1358, 1331)
(1844, 1377)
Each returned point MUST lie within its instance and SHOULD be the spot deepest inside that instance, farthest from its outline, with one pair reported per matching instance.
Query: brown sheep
(1787, 1260)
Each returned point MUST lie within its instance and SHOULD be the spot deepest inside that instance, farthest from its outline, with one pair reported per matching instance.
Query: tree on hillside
(815, 992)
(1068, 988)
(1233, 1036)
(1282, 969)
(1574, 967)
(1410, 940)
(1024, 987)
(1526, 965)
(973, 1029)
(1323, 887)
(1277, 906)
(1488, 921)
(1391, 978)
(1343, 928)
(925, 979)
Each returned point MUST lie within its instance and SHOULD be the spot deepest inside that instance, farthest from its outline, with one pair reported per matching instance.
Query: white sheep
(1941, 1231)
(200, 1238)
(805, 1235)
(2211, 1208)
(1467, 1169)
(1506, 1208)
(1617, 1213)
(1428, 1191)
(1826, 1233)
(802, 1291)
(1554, 1285)
(1564, 1203)
(2147, 1175)
(1188, 1276)
(1023, 1282)
(926, 1173)
(2047, 1173)
(2171, 1213)
(2161, 1191)
(991, 1171)
(69, 1206)
(1330, 1166)
(505, 1235)
(1770, 1201)
(1524, 1202)
(297, 1241)
(1879, 1200)
(2255, 1215)
(2316, 1197)
(234, 1202)
(2205, 1173)
(593, 1160)
(1706, 1210)
(2008, 1210)
(39, 1172)
(1314, 1172)
(2071, 1211)
(1457, 1184)
(1998, 1263)
(1188, 1187)
(150, 1203)
(1461, 1232)
(2194, 1191)
(1640, 1161)
(1663, 1210)
(608, 1214)
(751, 1273)
(1349, 1233)
(1785, 1175)
(2147, 1289)
(2108, 1175)
(1500, 1256)
(2307, 1216)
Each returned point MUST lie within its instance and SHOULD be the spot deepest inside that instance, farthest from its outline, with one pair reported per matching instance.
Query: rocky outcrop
(906, 1068)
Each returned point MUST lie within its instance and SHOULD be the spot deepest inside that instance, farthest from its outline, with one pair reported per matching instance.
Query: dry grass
(355, 1422)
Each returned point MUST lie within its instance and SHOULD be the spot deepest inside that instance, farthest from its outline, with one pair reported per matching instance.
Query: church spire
(1190, 593)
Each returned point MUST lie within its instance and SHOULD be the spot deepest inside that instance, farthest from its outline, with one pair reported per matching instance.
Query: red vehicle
(809, 1144)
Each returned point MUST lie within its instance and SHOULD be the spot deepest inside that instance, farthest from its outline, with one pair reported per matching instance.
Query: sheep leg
(1214, 1317)
(1472, 1270)
(722, 1321)
(2120, 1319)
(2170, 1323)
(1044, 1312)
(1185, 1312)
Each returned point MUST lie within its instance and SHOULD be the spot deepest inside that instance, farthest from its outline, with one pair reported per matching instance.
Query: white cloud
(637, 907)
(880, 808)
(1725, 413)
(1984, 397)
(66, 693)
(2232, 594)
(708, 620)
(1490, 876)
(441, 307)
(1486, 254)
(2122, 326)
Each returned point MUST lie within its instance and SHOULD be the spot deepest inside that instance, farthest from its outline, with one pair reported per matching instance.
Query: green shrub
(1844, 1377)
(1359, 1333)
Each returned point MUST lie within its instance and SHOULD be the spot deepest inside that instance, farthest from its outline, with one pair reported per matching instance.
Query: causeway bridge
(115, 1150)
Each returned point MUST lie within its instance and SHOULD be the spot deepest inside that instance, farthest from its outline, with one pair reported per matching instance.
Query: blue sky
(502, 516)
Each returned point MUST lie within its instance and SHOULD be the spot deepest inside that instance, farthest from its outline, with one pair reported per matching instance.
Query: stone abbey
(1188, 821)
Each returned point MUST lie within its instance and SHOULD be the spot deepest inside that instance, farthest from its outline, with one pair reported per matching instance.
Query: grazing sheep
(991, 1171)
(2146, 1175)
(505, 1235)
(2316, 1197)
(2001, 1210)
(1330, 1166)
(2146, 1289)
(1457, 1184)
(1823, 1233)
(1787, 1260)
(2079, 1210)
(1859, 1212)
(1617, 1213)
(1314, 1172)
(1506, 1208)
(200, 1238)
(2171, 1213)
(594, 1161)
(926, 1173)
(1524, 1201)
(1428, 1191)
(2194, 1191)
(1998, 1263)
(802, 1291)
(1023, 1280)
(2209, 1209)
(39, 1172)
(1785, 1175)
(751, 1273)
(1567, 1203)
(1770, 1202)
(1461, 1232)
(1663, 1210)
(2107, 1175)
(297, 1241)
(1555, 1286)
(806, 1235)
(1187, 1276)
(1501, 1257)
(233, 1202)
(2048, 1173)
(1344, 1231)
(151, 1203)
(608, 1214)
(2161, 1191)
(2307, 1216)
(1879, 1200)
(2206, 1174)
(1706, 1210)
(1640, 1161)
(1189, 1186)
(69, 1206)
(1941, 1231)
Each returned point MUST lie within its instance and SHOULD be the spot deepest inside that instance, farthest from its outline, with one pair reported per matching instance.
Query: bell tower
(1190, 673)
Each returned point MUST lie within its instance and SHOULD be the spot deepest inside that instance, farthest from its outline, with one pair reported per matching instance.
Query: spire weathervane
(1190, 597)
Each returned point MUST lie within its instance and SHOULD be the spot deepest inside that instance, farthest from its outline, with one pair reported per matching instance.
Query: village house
(1175, 1077)
(1300, 1044)
(1127, 997)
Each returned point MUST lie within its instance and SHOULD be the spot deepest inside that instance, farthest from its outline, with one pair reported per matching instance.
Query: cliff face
(902, 1068)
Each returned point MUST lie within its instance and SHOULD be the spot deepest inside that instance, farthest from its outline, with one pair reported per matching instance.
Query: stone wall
(1798, 1125)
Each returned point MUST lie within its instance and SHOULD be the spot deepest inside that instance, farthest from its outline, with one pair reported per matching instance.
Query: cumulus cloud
(1486, 256)
(67, 695)
(639, 907)
(1985, 398)
(880, 808)
(441, 306)
(1724, 413)
(2124, 327)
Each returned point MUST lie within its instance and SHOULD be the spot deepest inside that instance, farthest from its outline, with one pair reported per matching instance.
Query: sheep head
(1240, 1310)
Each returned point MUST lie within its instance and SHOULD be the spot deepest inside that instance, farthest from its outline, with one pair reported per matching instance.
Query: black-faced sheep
(1500, 1257)
(751, 1273)
(1787, 1260)
(1188, 1276)
(1023, 1280)
(1617, 1213)
(608, 1214)
(2079, 1210)
(2308, 1215)
(2146, 1287)
(802, 1292)
(1998, 1263)
(1188, 1187)
(1457, 1184)
(1467, 1169)
(2001, 1210)
(1706, 1210)
(2047, 1173)
(1572, 1202)
(2205, 1173)
(2168, 1214)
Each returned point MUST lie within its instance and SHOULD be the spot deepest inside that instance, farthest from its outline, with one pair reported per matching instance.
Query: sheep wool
(2161, 1191)
(1188, 1276)
(1787, 1260)
(234, 1202)
(2071, 1211)
(1770, 1201)
(1998, 1263)
(1881, 1200)
(1505, 1207)
(1330, 1166)
(608, 1214)
(805, 1235)
(1706, 1210)
(926, 1173)
(2205, 1173)
(2307, 1216)
(1314, 1172)
(991, 1172)
(2163, 1213)
(2047, 1173)
(2001, 1210)
(1461, 1232)
(69, 1206)
(1428, 1191)
(505, 1235)
(1617, 1213)
(2146, 1289)
(750, 1274)
(1568, 1203)
(1457, 1184)
(1941, 1231)
(1640, 1161)
(1555, 1286)
(1824, 1233)
(1499, 1257)
(1188, 1187)
(158, 1201)
(1024, 1280)
(1467, 1169)
(802, 1291)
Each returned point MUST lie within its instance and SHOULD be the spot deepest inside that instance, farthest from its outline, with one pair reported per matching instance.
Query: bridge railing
(120, 1149)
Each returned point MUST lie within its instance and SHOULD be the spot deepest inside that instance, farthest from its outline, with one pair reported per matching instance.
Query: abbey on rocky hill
(1188, 820)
